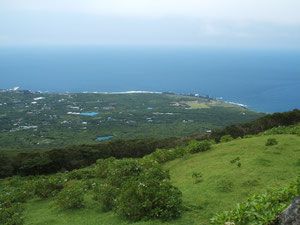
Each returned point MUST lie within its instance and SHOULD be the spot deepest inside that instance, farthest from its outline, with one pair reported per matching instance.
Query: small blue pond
(150, 108)
(89, 114)
(104, 138)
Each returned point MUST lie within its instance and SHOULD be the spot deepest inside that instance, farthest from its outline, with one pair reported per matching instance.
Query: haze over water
(264, 79)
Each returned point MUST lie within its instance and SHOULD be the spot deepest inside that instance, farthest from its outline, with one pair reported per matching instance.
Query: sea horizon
(265, 80)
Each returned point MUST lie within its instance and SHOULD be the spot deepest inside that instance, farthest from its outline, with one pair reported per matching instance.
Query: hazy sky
(271, 23)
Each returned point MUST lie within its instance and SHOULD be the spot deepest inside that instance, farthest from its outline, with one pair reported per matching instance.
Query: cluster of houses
(36, 105)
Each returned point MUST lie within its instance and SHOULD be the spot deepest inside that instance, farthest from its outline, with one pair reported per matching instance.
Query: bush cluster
(81, 174)
(46, 187)
(11, 209)
(72, 196)
(148, 198)
(102, 167)
(294, 129)
(198, 146)
(11, 215)
(164, 155)
(260, 125)
(138, 189)
(260, 209)
(106, 195)
(226, 138)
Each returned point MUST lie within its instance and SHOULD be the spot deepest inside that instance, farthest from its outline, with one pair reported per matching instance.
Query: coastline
(220, 99)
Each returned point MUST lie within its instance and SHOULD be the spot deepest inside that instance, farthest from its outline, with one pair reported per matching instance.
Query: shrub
(180, 151)
(212, 141)
(71, 197)
(18, 195)
(125, 193)
(226, 138)
(198, 146)
(147, 198)
(102, 166)
(11, 209)
(295, 129)
(248, 136)
(46, 187)
(106, 195)
(15, 181)
(29, 187)
(259, 209)
(271, 142)
(11, 215)
(90, 184)
(81, 174)
(120, 170)
(164, 155)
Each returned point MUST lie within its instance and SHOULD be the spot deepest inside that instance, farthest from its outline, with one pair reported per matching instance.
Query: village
(51, 118)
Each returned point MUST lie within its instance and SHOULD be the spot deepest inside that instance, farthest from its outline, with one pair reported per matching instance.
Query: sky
(248, 23)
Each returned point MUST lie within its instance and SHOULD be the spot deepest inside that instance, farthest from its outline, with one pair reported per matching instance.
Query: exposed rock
(291, 216)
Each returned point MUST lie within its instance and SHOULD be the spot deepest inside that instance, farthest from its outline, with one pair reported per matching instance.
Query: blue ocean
(265, 80)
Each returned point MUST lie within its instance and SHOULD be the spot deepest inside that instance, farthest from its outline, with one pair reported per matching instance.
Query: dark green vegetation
(196, 146)
(74, 157)
(137, 189)
(34, 121)
(271, 142)
(262, 124)
(183, 180)
(195, 186)
(261, 209)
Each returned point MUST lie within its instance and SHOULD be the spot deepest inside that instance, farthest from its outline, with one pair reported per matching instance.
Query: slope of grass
(223, 183)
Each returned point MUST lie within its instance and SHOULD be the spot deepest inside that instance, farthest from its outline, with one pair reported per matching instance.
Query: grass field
(208, 104)
(197, 105)
(224, 184)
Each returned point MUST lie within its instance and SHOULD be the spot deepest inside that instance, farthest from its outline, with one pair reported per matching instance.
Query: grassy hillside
(222, 185)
